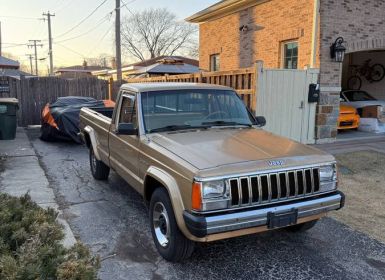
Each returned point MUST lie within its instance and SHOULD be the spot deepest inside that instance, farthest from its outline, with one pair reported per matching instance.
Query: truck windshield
(189, 108)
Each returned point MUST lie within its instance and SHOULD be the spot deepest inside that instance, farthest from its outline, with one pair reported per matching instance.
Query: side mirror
(126, 129)
(260, 120)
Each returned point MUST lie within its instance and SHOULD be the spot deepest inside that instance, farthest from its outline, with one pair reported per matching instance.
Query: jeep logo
(276, 162)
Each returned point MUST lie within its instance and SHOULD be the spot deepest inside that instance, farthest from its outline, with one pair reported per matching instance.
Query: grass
(30, 244)
(362, 180)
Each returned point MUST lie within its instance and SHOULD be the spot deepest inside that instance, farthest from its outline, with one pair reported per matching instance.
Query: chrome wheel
(161, 224)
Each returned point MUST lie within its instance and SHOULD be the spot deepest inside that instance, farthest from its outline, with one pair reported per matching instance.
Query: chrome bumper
(201, 226)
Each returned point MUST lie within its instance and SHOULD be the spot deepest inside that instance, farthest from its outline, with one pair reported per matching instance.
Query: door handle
(302, 105)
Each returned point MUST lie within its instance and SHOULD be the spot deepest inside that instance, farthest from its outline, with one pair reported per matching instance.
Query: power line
(125, 5)
(17, 17)
(71, 50)
(98, 42)
(13, 45)
(83, 20)
(85, 33)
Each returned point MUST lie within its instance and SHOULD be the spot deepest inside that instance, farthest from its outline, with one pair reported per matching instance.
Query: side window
(128, 111)
(290, 55)
(214, 62)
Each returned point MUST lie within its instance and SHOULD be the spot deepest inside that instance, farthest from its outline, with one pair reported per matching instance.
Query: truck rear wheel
(99, 170)
(170, 242)
(302, 227)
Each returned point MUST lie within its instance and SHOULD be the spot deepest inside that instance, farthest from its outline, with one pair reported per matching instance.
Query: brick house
(294, 34)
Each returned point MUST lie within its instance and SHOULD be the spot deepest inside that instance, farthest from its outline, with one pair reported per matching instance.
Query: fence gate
(282, 98)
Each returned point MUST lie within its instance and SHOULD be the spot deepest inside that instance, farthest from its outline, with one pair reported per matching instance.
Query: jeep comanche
(205, 167)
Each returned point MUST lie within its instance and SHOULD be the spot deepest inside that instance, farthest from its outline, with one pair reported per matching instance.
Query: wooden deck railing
(242, 80)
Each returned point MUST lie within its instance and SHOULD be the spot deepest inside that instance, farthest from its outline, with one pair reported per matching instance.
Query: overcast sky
(20, 21)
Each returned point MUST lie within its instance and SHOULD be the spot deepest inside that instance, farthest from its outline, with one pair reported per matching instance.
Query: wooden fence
(242, 80)
(34, 93)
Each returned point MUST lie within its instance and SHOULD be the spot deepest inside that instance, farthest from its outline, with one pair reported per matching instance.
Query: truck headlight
(210, 195)
(213, 189)
(328, 177)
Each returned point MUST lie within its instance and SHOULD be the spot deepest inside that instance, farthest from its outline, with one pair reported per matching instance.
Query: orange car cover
(47, 117)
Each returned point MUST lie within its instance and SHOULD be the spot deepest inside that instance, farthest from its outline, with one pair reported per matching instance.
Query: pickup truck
(205, 167)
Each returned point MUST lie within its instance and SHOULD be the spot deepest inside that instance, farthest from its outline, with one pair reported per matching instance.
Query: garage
(363, 41)
(363, 95)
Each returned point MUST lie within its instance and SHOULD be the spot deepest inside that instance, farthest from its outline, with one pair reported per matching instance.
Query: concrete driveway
(111, 218)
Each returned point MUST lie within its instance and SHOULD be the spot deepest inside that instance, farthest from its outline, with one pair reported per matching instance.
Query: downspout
(314, 39)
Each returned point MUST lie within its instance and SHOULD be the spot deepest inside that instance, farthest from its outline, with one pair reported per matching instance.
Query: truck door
(124, 148)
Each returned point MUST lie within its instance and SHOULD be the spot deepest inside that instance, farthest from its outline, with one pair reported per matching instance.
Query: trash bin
(8, 123)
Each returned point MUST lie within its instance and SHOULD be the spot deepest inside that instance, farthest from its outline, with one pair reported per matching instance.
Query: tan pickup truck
(204, 165)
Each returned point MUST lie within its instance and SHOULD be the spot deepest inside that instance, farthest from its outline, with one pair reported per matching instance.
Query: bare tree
(156, 32)
(102, 60)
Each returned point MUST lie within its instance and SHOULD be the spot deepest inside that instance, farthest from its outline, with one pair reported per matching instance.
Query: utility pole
(49, 15)
(0, 39)
(34, 44)
(117, 43)
(30, 56)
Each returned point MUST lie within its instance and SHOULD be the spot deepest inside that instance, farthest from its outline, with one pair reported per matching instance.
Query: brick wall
(269, 24)
(362, 25)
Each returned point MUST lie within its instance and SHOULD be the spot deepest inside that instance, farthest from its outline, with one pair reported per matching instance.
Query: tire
(302, 227)
(99, 170)
(170, 242)
(354, 83)
(378, 72)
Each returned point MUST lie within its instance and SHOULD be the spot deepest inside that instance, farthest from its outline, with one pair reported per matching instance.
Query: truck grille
(266, 188)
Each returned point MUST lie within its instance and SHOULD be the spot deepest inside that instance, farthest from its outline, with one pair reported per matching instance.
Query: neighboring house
(11, 68)
(296, 34)
(6, 63)
(78, 71)
(159, 66)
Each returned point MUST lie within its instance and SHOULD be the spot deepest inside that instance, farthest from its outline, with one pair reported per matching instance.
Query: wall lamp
(337, 50)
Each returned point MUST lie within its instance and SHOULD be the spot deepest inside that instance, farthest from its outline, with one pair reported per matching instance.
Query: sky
(21, 21)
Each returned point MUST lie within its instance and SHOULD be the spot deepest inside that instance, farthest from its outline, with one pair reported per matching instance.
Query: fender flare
(94, 143)
(174, 193)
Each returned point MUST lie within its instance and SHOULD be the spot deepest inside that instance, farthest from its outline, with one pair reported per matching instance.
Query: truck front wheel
(170, 242)
(99, 170)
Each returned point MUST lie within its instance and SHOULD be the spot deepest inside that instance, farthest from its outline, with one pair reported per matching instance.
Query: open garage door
(363, 89)
(282, 98)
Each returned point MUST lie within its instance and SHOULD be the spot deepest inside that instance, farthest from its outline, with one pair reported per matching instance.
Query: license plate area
(278, 220)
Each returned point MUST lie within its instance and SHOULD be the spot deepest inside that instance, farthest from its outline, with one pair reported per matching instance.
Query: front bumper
(201, 226)
(348, 122)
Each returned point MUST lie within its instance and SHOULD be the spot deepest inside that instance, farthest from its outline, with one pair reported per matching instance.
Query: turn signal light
(196, 196)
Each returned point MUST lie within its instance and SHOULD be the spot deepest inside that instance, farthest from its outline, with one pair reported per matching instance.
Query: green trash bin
(8, 122)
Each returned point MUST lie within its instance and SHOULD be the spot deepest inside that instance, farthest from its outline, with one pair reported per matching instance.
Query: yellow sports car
(348, 118)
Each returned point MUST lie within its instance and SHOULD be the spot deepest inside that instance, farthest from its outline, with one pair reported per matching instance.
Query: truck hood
(213, 148)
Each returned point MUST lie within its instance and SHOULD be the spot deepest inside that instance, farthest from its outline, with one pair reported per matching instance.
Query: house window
(290, 55)
(214, 62)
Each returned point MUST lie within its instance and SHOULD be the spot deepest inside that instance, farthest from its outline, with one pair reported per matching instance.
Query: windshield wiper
(225, 123)
(177, 127)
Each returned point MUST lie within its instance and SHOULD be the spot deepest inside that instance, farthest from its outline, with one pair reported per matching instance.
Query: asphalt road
(112, 220)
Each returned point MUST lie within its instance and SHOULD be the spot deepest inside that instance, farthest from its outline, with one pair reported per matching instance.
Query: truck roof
(144, 87)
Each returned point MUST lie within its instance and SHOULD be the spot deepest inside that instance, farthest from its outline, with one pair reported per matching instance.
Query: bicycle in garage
(372, 73)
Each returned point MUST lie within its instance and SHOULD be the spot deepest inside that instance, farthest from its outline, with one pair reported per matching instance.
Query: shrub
(30, 244)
